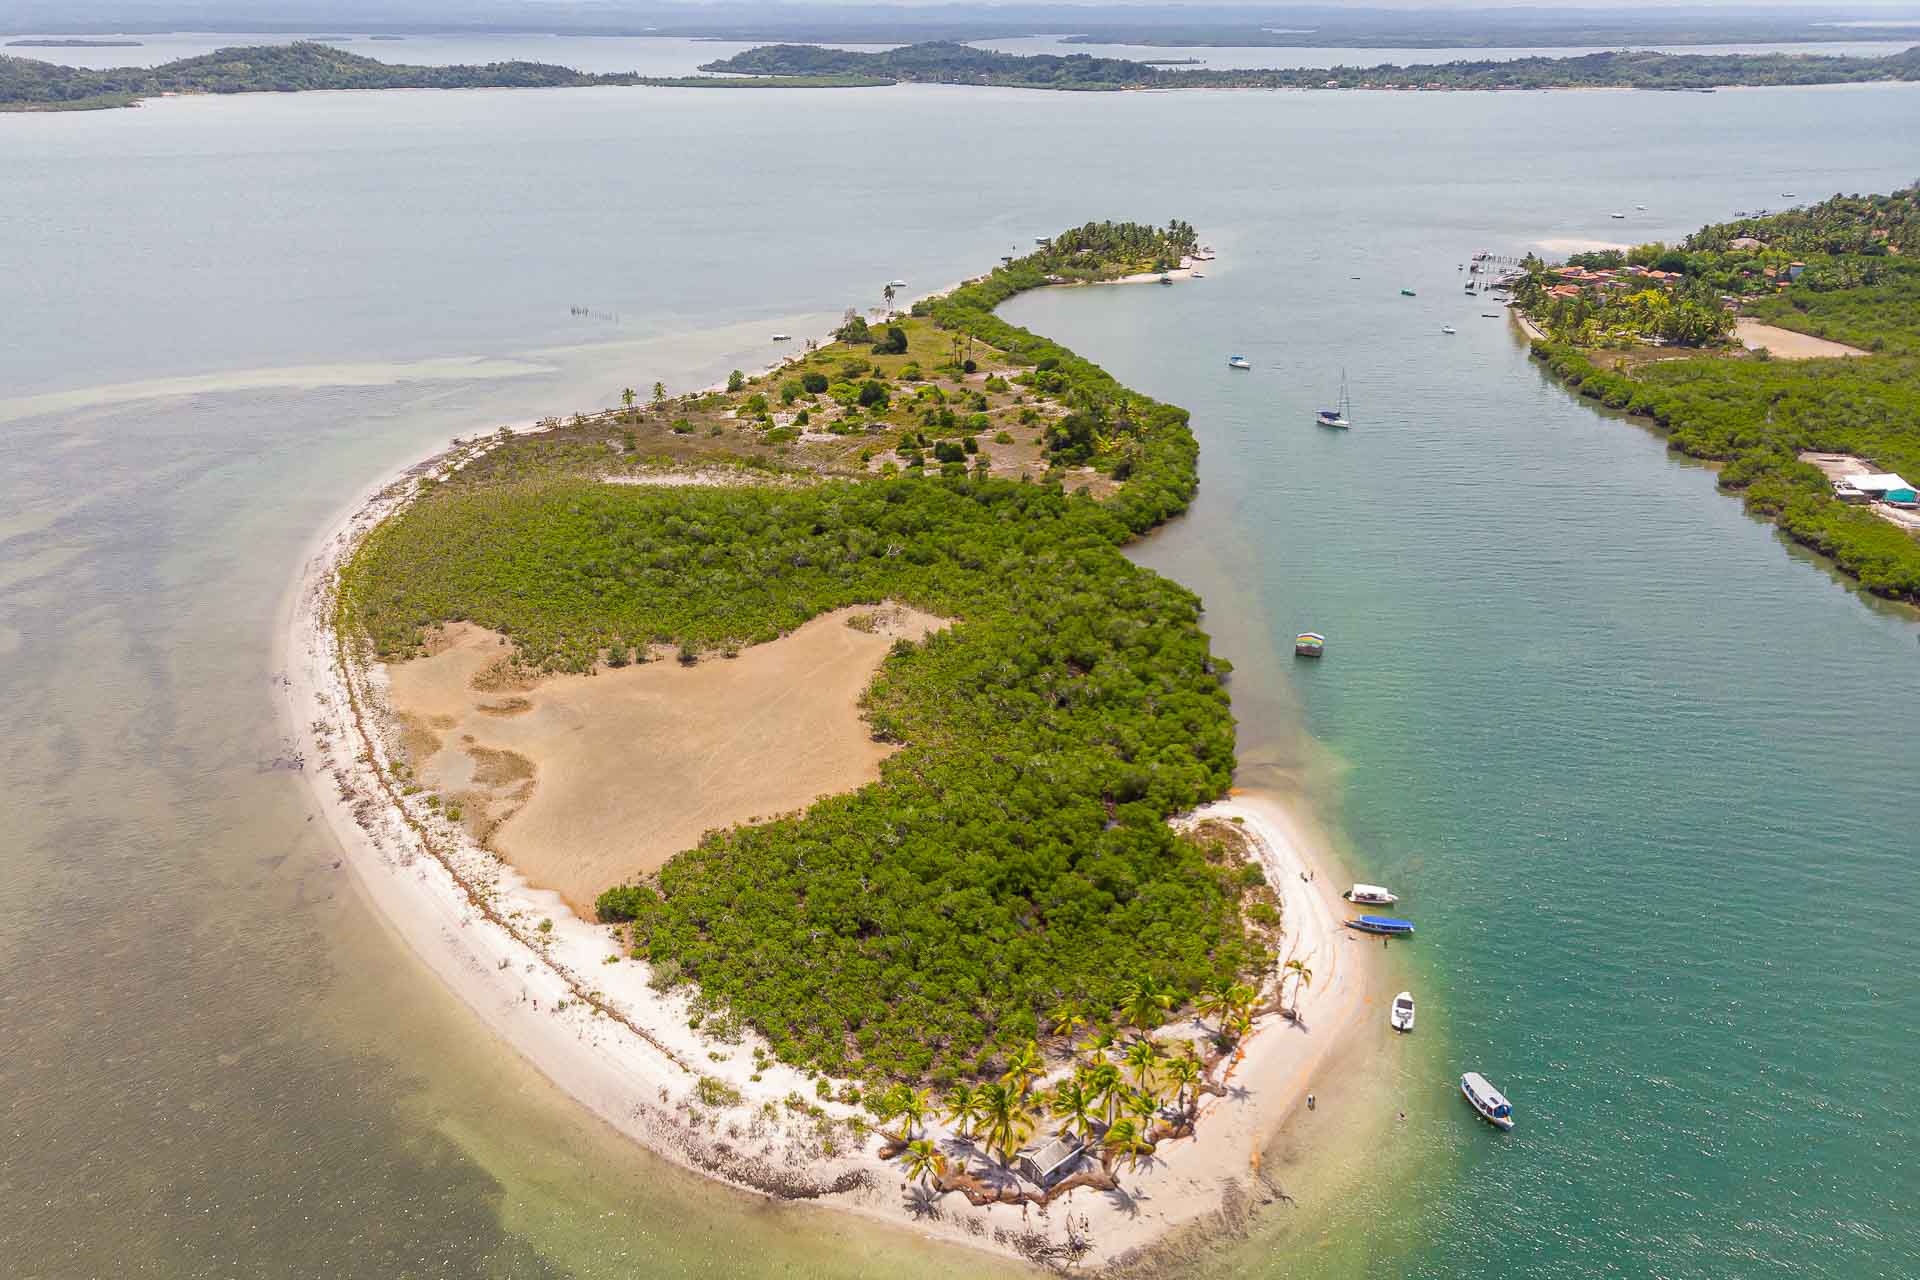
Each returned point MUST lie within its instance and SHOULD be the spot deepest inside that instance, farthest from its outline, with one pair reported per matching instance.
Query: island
(944, 62)
(29, 85)
(798, 772)
(1784, 346)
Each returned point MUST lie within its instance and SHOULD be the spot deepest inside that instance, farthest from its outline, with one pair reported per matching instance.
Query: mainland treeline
(1015, 853)
(291, 68)
(943, 62)
(1833, 270)
(29, 85)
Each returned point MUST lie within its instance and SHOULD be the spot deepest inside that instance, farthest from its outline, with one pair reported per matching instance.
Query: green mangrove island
(1652, 331)
(29, 85)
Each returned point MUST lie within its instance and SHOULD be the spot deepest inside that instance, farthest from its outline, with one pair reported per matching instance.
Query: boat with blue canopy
(1387, 926)
(1487, 1100)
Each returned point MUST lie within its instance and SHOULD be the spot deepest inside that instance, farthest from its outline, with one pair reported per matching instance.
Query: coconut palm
(1006, 1121)
(1107, 1085)
(1067, 1017)
(887, 293)
(1144, 1003)
(627, 398)
(1302, 977)
(659, 393)
(1184, 1073)
(1074, 1104)
(915, 1108)
(923, 1162)
(1023, 1064)
(1098, 1041)
(1143, 1107)
(1144, 1059)
(1216, 1001)
(1239, 1023)
(963, 1108)
(1123, 1138)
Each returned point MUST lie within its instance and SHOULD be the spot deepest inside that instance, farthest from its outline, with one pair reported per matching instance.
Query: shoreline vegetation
(1039, 959)
(1655, 331)
(30, 85)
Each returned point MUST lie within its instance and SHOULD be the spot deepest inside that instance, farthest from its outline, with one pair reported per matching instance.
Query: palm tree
(1144, 1003)
(1184, 1072)
(1023, 1064)
(1067, 1018)
(1006, 1121)
(627, 398)
(887, 293)
(1098, 1041)
(915, 1108)
(923, 1161)
(963, 1108)
(659, 393)
(1123, 1139)
(1143, 1058)
(1143, 1106)
(1302, 977)
(1107, 1084)
(1215, 1000)
(1073, 1104)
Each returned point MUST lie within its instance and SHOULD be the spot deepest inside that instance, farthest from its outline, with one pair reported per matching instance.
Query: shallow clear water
(1637, 767)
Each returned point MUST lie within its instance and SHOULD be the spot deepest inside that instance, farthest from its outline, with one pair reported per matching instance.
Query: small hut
(1044, 1166)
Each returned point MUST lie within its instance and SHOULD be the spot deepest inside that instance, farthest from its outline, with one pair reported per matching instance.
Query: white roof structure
(1878, 483)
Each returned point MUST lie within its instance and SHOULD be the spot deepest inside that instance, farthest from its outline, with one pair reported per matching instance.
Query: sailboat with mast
(1338, 417)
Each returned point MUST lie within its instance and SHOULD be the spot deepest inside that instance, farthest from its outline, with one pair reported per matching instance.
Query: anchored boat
(1371, 894)
(1487, 1100)
(1239, 362)
(1400, 1017)
(1406, 293)
(1309, 644)
(1336, 417)
(1386, 926)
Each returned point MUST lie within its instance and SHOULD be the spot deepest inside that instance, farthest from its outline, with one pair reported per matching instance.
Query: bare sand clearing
(581, 781)
(1785, 344)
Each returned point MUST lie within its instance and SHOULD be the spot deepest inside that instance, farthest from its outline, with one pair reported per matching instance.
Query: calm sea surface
(1643, 775)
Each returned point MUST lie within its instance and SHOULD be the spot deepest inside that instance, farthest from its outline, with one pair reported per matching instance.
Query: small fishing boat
(1309, 644)
(1400, 1017)
(1336, 417)
(1616, 215)
(1788, 195)
(783, 337)
(1197, 275)
(1406, 293)
(1447, 328)
(896, 284)
(1387, 926)
(1487, 1100)
(1165, 279)
(1239, 362)
(1489, 315)
(1640, 207)
(1373, 894)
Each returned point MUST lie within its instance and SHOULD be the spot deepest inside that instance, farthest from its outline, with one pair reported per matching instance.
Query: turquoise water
(1637, 767)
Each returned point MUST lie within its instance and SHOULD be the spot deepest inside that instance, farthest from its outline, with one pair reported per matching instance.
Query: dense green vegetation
(1015, 852)
(1758, 414)
(952, 63)
(28, 84)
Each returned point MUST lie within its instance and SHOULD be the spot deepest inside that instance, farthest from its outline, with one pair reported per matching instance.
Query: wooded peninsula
(30, 85)
(1648, 331)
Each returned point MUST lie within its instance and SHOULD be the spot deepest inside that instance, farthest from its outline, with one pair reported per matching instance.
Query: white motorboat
(1239, 362)
(1447, 328)
(1372, 894)
(1487, 1100)
(1400, 1017)
(783, 337)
